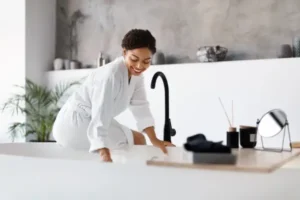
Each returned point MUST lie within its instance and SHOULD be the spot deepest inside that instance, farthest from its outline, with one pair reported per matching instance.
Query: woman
(86, 121)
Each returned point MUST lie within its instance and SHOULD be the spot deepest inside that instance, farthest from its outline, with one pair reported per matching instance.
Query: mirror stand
(285, 126)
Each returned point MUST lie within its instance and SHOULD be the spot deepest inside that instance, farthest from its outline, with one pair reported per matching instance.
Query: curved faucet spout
(166, 86)
(168, 130)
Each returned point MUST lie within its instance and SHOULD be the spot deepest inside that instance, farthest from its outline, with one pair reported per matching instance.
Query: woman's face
(137, 60)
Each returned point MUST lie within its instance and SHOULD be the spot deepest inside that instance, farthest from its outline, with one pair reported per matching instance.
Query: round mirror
(272, 123)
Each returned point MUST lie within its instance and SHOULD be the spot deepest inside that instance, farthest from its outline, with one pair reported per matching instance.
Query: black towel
(196, 137)
(199, 144)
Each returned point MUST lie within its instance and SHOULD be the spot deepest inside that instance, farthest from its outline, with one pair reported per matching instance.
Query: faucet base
(168, 131)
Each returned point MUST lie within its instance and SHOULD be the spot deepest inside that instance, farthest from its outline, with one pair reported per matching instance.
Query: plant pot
(42, 141)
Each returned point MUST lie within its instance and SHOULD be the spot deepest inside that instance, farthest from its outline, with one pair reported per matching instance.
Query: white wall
(40, 37)
(12, 56)
(27, 48)
(255, 86)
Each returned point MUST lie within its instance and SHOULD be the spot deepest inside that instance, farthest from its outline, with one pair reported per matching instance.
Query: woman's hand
(161, 144)
(105, 155)
(156, 142)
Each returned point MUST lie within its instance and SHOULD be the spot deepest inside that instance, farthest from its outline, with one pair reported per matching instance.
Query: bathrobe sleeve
(139, 107)
(102, 98)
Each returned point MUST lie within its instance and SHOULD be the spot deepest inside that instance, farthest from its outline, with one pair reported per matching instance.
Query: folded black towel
(199, 144)
(196, 137)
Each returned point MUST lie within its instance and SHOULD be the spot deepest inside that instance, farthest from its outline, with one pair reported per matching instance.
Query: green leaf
(61, 89)
(17, 127)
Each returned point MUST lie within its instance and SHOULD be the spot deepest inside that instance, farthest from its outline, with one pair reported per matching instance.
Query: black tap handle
(173, 132)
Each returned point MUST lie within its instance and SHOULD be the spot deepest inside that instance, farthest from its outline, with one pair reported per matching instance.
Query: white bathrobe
(86, 121)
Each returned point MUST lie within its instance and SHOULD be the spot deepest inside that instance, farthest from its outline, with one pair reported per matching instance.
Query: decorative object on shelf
(296, 47)
(101, 60)
(88, 66)
(285, 51)
(71, 33)
(74, 64)
(158, 58)
(67, 64)
(42, 107)
(211, 53)
(58, 64)
(221, 53)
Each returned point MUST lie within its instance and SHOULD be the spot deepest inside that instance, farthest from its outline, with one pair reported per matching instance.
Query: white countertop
(294, 164)
(142, 154)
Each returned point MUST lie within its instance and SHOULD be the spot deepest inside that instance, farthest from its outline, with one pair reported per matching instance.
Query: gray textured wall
(250, 29)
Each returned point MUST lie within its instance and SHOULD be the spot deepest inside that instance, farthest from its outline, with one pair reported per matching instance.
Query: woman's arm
(102, 99)
(150, 133)
(155, 141)
(139, 107)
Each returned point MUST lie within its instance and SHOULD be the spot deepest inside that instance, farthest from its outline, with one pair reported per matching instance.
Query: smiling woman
(138, 49)
(87, 119)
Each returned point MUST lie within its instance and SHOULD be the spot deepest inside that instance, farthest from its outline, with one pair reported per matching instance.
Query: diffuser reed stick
(225, 111)
(232, 113)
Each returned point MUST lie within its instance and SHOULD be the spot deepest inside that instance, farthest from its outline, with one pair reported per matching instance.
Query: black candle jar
(248, 136)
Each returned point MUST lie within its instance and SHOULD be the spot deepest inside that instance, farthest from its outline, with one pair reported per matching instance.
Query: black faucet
(168, 130)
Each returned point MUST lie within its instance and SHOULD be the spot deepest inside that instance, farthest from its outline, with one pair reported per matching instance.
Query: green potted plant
(40, 105)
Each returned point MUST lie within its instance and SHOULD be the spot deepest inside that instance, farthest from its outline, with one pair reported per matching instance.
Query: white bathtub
(47, 171)
(138, 154)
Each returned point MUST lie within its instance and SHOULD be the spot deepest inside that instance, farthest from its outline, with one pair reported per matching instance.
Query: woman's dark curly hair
(137, 38)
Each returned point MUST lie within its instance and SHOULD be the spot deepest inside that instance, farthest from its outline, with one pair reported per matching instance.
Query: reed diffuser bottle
(232, 136)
